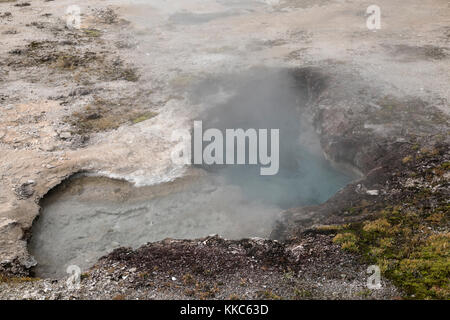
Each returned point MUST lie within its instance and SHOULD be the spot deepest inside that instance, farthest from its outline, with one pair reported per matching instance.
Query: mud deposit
(87, 217)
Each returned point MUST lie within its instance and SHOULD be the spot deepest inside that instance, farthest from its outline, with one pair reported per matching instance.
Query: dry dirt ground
(105, 99)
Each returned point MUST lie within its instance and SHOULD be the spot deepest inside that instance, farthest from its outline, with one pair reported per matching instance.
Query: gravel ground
(213, 268)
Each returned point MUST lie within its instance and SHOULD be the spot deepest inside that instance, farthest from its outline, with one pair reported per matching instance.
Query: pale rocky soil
(141, 58)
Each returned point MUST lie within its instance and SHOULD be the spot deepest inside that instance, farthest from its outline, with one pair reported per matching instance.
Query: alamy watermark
(73, 17)
(73, 281)
(234, 146)
(373, 21)
(374, 280)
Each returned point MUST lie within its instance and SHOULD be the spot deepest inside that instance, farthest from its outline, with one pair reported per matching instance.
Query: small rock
(22, 4)
(25, 190)
(80, 92)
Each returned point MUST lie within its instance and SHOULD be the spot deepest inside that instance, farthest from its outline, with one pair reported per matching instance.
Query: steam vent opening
(86, 217)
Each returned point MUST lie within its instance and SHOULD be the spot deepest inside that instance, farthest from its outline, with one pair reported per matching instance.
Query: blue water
(264, 98)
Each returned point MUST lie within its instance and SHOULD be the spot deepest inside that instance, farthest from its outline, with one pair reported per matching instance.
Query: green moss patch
(84, 66)
(406, 231)
(408, 247)
(5, 279)
(92, 32)
(143, 117)
(104, 115)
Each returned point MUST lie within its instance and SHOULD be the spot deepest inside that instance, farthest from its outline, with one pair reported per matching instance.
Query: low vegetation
(406, 233)
(104, 115)
(5, 279)
(412, 248)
